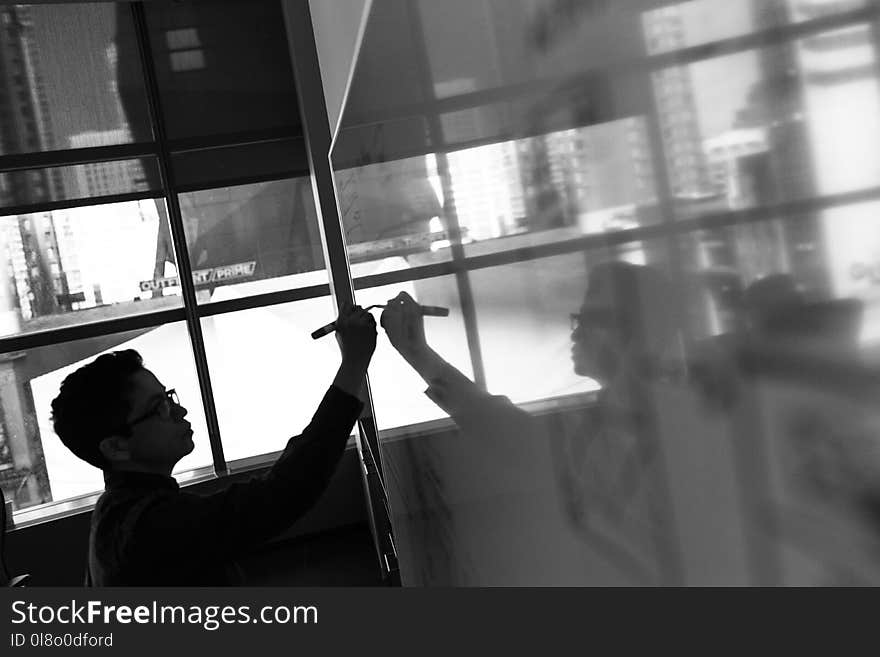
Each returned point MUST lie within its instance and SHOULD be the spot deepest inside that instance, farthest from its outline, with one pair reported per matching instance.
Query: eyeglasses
(162, 408)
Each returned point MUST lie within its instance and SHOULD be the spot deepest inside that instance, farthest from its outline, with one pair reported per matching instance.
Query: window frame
(161, 149)
(671, 227)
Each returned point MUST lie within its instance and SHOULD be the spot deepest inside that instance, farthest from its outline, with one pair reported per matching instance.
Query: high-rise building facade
(103, 178)
(686, 164)
(27, 127)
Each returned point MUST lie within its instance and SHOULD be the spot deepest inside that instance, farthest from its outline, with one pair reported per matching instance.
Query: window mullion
(178, 236)
(318, 140)
(450, 213)
(74, 156)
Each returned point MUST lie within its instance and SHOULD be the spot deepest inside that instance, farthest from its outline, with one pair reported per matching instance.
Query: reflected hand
(405, 326)
(356, 334)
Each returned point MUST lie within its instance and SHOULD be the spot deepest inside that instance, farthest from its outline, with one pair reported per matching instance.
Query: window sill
(85, 503)
(536, 407)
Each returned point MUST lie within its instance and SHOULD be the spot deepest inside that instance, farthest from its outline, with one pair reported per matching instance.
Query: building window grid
(11, 344)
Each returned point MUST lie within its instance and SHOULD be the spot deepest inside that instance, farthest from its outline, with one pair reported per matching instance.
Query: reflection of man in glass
(606, 466)
(625, 327)
(609, 472)
(116, 415)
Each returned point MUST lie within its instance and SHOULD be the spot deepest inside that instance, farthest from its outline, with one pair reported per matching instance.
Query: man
(621, 336)
(599, 475)
(116, 415)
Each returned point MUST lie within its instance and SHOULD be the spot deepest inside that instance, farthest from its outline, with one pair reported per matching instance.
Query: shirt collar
(142, 480)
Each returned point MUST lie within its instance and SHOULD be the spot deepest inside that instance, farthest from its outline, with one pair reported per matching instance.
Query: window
(723, 144)
(184, 50)
(93, 258)
(486, 162)
(183, 39)
(237, 80)
(45, 470)
(187, 60)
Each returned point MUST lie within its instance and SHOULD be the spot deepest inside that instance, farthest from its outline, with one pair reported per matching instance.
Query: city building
(686, 164)
(27, 127)
(103, 178)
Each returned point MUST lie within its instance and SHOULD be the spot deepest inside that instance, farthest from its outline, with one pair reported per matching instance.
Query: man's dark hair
(645, 308)
(93, 404)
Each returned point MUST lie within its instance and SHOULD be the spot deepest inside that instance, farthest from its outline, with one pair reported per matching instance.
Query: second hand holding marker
(429, 311)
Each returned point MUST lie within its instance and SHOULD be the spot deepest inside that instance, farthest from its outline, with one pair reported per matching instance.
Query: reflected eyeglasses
(162, 409)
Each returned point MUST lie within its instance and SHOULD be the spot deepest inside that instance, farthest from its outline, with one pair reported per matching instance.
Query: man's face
(596, 343)
(160, 436)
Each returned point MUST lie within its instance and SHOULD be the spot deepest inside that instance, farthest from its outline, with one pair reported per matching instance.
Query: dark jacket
(145, 531)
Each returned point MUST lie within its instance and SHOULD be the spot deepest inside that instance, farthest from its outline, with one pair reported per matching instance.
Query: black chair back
(5, 578)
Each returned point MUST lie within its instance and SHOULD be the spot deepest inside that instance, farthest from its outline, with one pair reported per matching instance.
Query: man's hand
(403, 322)
(356, 335)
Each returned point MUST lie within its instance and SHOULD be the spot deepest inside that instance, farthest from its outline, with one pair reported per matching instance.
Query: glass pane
(81, 181)
(686, 24)
(793, 314)
(222, 67)
(676, 26)
(71, 79)
(391, 213)
(85, 264)
(252, 239)
(460, 48)
(804, 11)
(555, 187)
(704, 414)
(35, 467)
(538, 332)
(772, 125)
(267, 390)
(397, 390)
(418, 96)
(234, 164)
(822, 258)
(471, 495)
